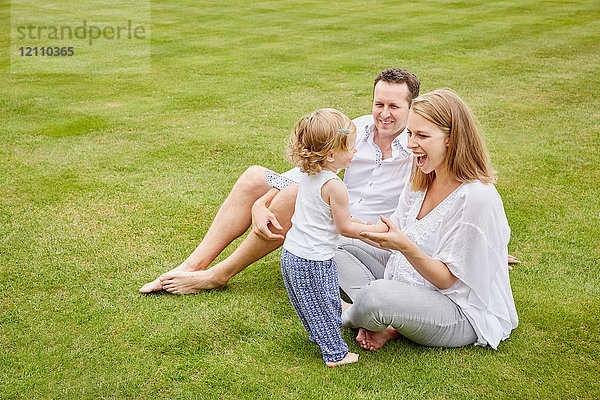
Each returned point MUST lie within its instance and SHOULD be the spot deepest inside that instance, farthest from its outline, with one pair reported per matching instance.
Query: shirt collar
(369, 131)
(399, 144)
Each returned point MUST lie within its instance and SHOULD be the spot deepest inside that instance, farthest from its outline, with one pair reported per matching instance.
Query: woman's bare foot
(375, 340)
(349, 359)
(362, 338)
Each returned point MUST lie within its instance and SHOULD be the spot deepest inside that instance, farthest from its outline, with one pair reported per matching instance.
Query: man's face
(390, 108)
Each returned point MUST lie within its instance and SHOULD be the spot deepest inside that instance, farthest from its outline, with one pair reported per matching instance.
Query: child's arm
(335, 194)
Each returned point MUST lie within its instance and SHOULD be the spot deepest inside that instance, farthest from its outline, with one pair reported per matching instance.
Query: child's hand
(379, 227)
(391, 237)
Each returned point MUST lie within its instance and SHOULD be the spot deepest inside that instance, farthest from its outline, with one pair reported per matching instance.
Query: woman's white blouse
(468, 232)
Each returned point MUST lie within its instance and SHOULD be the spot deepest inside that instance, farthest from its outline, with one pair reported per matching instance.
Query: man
(375, 179)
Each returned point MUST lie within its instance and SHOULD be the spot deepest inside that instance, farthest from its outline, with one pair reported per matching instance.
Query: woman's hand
(435, 271)
(393, 239)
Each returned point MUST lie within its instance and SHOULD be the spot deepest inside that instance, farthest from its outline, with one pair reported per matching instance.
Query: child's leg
(332, 295)
(331, 287)
(288, 262)
(316, 291)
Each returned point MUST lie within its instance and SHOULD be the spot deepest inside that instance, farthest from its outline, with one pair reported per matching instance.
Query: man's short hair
(399, 75)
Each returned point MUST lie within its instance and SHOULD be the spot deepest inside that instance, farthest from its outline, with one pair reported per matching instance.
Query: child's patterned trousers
(313, 288)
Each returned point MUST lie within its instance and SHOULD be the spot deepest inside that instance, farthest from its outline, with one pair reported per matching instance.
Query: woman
(445, 281)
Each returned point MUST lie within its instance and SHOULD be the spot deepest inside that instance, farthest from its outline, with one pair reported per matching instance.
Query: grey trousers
(422, 315)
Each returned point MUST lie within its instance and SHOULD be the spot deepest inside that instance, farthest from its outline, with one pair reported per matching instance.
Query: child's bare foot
(349, 359)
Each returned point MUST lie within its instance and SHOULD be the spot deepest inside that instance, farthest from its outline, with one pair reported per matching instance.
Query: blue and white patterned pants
(313, 288)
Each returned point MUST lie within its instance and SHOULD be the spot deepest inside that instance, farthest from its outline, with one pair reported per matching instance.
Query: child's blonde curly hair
(316, 135)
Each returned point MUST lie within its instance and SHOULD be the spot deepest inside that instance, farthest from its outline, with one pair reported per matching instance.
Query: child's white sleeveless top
(313, 235)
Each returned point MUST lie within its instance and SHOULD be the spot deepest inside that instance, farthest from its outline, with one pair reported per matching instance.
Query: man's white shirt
(374, 184)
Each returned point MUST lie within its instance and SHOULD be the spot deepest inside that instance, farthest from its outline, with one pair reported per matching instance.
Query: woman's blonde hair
(316, 135)
(466, 156)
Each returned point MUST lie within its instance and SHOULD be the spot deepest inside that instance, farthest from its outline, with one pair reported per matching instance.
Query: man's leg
(232, 220)
(252, 248)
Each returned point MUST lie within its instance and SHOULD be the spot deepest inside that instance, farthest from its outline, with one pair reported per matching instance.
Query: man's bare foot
(376, 340)
(349, 359)
(154, 286)
(184, 282)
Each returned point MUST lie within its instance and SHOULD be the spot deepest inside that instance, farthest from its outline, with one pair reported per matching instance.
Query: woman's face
(428, 142)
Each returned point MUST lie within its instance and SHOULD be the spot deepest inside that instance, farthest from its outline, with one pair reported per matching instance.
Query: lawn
(109, 179)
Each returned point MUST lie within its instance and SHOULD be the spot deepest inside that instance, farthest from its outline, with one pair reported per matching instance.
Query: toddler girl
(321, 144)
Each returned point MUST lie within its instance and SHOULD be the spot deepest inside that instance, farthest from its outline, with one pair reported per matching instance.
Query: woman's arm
(335, 194)
(435, 271)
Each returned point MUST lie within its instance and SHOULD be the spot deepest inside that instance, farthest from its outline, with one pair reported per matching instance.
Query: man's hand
(262, 217)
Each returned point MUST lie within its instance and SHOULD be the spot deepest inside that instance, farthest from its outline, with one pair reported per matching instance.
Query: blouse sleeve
(473, 256)
(474, 247)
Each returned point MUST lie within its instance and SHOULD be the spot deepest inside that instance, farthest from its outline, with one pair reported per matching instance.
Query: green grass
(109, 180)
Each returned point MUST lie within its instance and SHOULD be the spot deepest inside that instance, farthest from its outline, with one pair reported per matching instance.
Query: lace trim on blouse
(418, 231)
